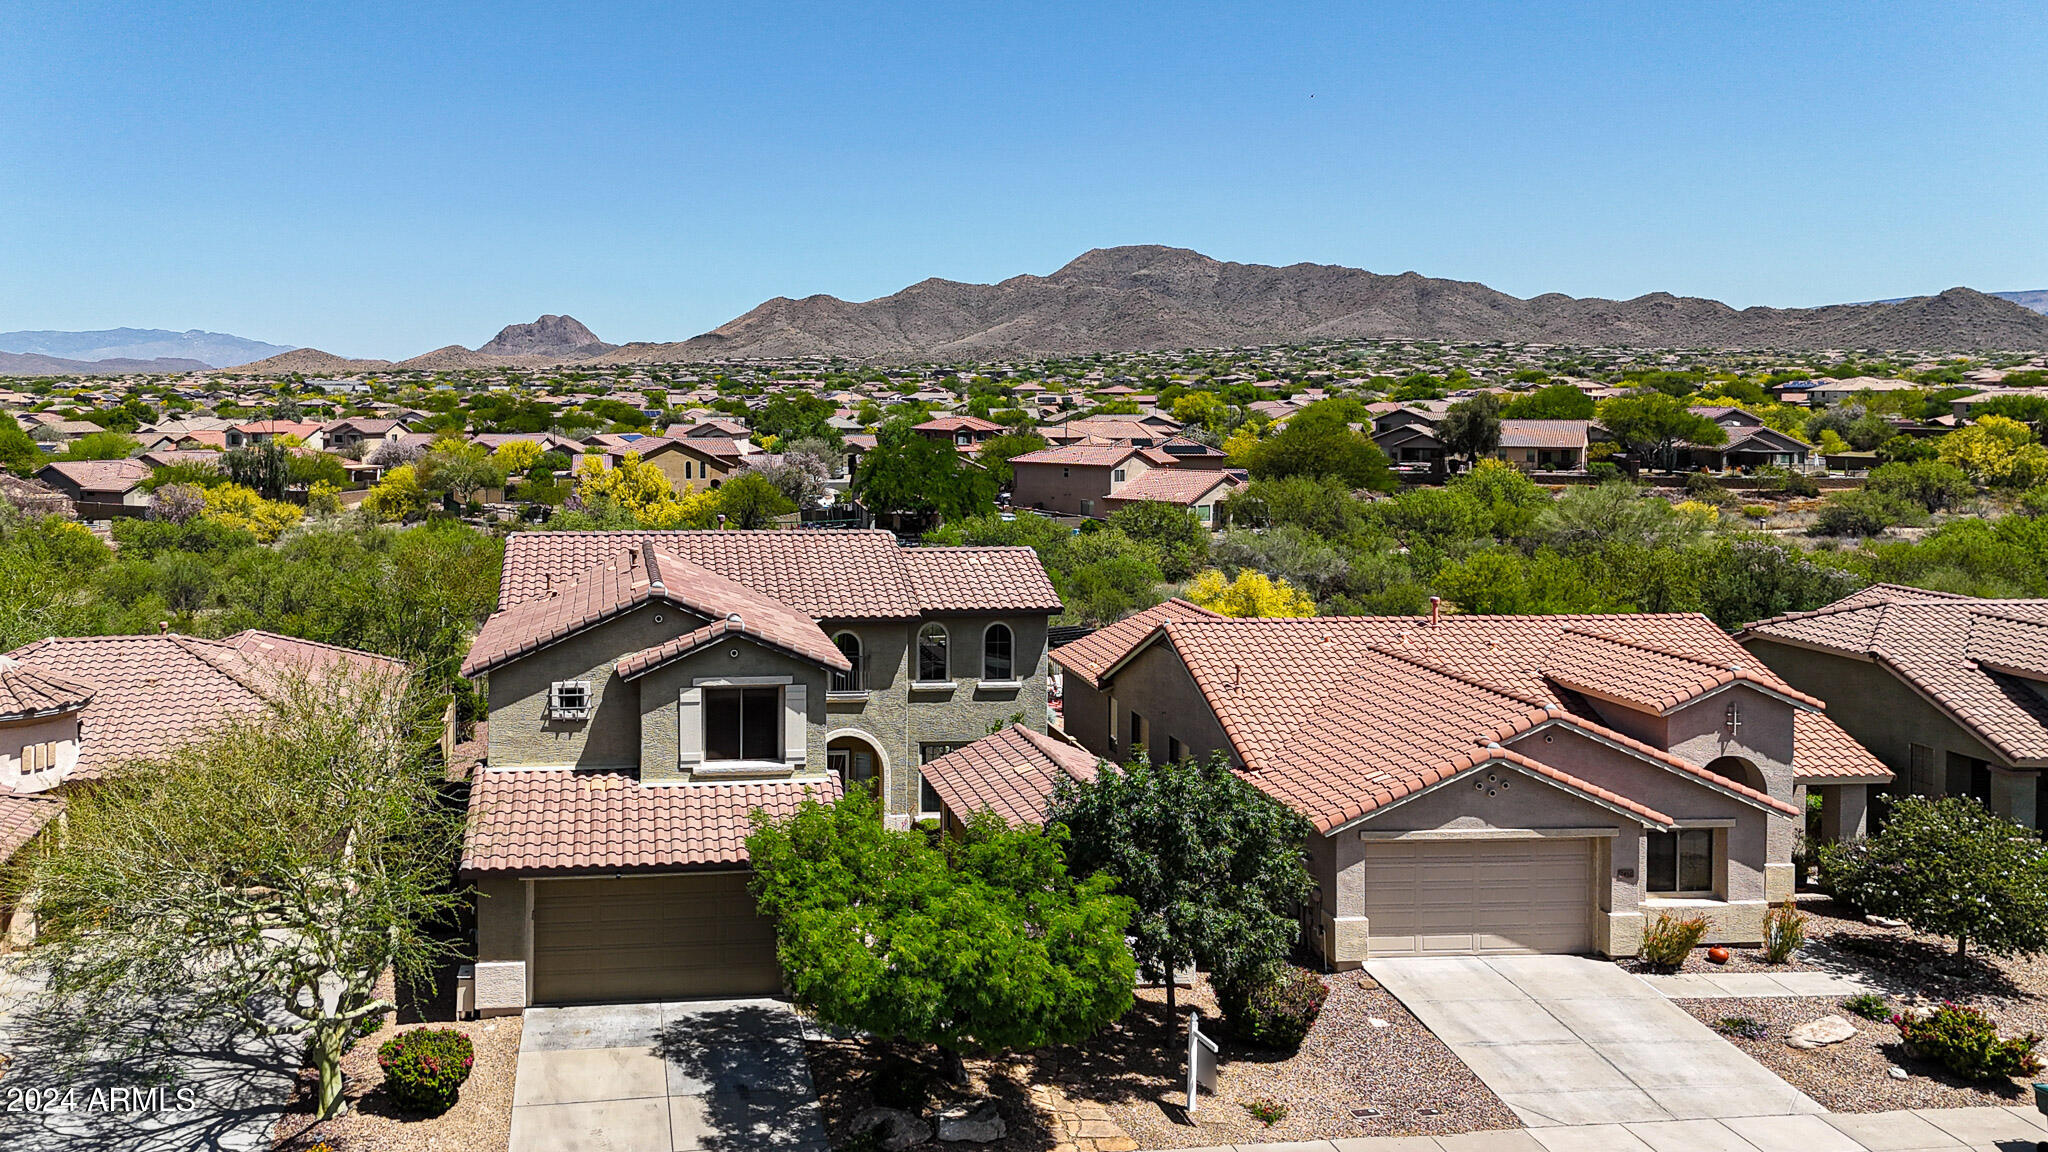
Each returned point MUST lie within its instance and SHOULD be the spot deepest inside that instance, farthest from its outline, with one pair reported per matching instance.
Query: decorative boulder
(899, 1129)
(1820, 1033)
(977, 1123)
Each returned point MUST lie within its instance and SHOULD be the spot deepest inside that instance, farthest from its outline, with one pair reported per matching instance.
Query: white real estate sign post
(1201, 1060)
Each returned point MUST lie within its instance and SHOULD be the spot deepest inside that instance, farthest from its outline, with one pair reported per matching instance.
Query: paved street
(1564, 1040)
(692, 1076)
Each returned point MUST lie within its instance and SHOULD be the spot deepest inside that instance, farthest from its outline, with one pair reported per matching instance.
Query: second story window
(998, 653)
(932, 664)
(569, 700)
(743, 724)
(852, 680)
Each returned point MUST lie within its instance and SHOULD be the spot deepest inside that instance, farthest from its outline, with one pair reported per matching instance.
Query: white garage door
(650, 938)
(1466, 897)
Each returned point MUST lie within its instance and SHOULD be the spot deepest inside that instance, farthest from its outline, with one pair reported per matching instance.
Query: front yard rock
(979, 1123)
(899, 1129)
(1820, 1033)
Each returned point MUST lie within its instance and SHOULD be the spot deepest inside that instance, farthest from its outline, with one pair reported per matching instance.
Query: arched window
(851, 680)
(998, 653)
(931, 654)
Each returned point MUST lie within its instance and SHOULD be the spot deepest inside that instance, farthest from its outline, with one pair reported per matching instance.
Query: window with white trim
(569, 700)
(998, 653)
(932, 664)
(1681, 863)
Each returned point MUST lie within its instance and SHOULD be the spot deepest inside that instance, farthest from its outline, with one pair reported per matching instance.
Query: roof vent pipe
(163, 627)
(1436, 604)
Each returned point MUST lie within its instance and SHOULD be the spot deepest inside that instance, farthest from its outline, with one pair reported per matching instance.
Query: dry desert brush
(267, 874)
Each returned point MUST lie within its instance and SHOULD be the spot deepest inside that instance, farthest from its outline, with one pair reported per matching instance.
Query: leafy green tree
(795, 415)
(262, 468)
(996, 452)
(911, 474)
(983, 944)
(1862, 512)
(101, 446)
(1749, 579)
(1318, 442)
(459, 467)
(294, 857)
(19, 452)
(1930, 484)
(1511, 499)
(1504, 582)
(1948, 867)
(751, 500)
(1652, 425)
(1470, 427)
(1182, 540)
(1213, 864)
(1555, 402)
(306, 469)
(1323, 505)
(1903, 449)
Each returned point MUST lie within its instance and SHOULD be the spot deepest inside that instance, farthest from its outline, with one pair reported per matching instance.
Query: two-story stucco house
(1482, 784)
(648, 690)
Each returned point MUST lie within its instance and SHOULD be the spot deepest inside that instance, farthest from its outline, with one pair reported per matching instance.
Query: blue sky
(382, 179)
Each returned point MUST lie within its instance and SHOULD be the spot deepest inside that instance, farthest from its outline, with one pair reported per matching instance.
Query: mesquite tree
(268, 873)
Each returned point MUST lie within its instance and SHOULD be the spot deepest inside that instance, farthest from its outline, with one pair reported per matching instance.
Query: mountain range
(121, 349)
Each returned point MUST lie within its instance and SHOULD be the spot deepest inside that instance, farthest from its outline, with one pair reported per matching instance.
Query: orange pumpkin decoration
(1718, 955)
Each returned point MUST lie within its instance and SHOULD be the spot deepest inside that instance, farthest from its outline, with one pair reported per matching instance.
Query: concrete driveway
(1566, 1040)
(689, 1076)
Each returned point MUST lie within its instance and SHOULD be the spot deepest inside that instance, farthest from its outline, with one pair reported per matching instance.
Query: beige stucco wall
(1062, 487)
(1155, 685)
(61, 731)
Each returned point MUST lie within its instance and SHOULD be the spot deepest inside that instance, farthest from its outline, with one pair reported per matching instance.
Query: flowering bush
(1276, 1011)
(424, 1069)
(1965, 1041)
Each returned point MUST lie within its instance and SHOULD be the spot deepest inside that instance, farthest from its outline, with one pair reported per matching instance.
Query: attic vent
(733, 618)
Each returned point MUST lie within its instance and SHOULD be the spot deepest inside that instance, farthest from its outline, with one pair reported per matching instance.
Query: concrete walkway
(1924, 1130)
(690, 1076)
(1564, 1040)
(1709, 985)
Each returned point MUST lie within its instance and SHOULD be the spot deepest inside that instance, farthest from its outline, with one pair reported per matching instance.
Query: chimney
(163, 627)
(1436, 604)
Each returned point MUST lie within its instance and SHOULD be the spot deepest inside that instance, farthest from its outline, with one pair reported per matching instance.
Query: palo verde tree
(266, 874)
(1213, 863)
(1949, 867)
(980, 944)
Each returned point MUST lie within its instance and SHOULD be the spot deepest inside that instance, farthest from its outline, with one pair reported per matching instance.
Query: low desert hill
(35, 364)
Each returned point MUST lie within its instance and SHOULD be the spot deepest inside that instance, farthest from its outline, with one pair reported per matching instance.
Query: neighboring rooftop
(1012, 773)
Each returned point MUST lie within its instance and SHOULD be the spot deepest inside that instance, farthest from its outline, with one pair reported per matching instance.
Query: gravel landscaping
(1351, 1077)
(481, 1121)
(1854, 1076)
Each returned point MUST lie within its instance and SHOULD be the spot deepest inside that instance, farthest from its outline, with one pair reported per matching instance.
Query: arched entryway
(857, 758)
(1741, 771)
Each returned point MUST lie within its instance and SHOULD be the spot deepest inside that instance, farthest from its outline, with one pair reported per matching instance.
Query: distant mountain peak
(547, 336)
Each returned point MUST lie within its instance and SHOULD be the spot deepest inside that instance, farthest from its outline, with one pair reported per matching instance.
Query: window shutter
(796, 723)
(690, 727)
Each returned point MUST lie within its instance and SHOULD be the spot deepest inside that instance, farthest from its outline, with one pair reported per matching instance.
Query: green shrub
(1865, 513)
(1604, 470)
(1266, 1110)
(424, 1069)
(1276, 1011)
(1784, 932)
(1747, 1027)
(1868, 1005)
(1703, 487)
(1966, 1042)
(1670, 939)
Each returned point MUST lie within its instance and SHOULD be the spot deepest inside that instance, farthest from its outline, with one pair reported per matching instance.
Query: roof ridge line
(1460, 677)
(1574, 630)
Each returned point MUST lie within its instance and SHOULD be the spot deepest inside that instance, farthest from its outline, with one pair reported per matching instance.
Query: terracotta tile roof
(827, 575)
(1828, 753)
(776, 634)
(633, 574)
(1012, 773)
(98, 475)
(1974, 659)
(1543, 433)
(1089, 657)
(1170, 486)
(1080, 455)
(1610, 668)
(555, 821)
(988, 579)
(958, 424)
(156, 692)
(27, 691)
(1339, 716)
(21, 817)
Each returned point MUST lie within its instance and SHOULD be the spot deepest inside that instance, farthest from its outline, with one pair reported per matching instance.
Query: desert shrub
(1865, 513)
(1868, 1005)
(1758, 511)
(1966, 1042)
(1604, 470)
(1746, 1027)
(424, 1069)
(1266, 1110)
(1703, 487)
(1669, 939)
(1277, 1010)
(1947, 867)
(1784, 932)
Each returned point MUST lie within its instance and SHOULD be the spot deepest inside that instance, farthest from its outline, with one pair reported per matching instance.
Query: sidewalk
(1922, 1130)
(1708, 985)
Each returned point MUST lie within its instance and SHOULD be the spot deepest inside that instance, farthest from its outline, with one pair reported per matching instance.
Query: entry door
(1483, 897)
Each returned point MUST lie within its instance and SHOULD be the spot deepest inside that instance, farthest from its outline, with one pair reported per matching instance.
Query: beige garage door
(1466, 897)
(650, 938)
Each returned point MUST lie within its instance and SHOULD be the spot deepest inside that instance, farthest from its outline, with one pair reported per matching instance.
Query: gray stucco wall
(522, 736)
(661, 693)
